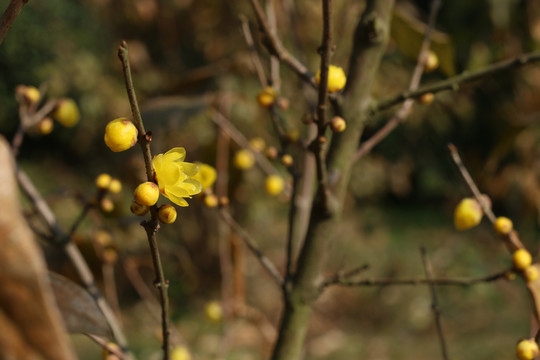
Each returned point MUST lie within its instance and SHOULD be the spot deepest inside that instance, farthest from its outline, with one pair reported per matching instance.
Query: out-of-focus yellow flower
(175, 177)
(206, 176)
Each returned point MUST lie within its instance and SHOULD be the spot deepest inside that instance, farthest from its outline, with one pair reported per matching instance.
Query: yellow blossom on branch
(206, 176)
(175, 177)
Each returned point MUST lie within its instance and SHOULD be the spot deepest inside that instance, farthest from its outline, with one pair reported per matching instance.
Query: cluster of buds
(145, 196)
(39, 120)
(105, 185)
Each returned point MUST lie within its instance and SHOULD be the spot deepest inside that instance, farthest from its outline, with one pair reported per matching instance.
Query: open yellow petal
(177, 154)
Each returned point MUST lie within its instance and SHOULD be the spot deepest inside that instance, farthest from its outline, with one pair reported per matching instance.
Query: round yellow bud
(426, 98)
(530, 273)
(211, 201)
(223, 201)
(180, 353)
(138, 209)
(46, 126)
(521, 259)
(527, 349)
(432, 62)
(213, 311)
(287, 160)
(66, 112)
(266, 97)
(336, 78)
(103, 238)
(106, 204)
(120, 134)
(103, 181)
(115, 186)
(167, 214)
(243, 159)
(503, 225)
(31, 94)
(257, 144)
(109, 255)
(147, 193)
(338, 124)
(274, 185)
(468, 214)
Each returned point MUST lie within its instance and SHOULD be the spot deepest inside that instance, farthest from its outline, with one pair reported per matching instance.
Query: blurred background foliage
(185, 52)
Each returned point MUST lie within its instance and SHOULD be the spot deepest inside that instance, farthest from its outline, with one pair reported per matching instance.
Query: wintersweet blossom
(175, 177)
(206, 175)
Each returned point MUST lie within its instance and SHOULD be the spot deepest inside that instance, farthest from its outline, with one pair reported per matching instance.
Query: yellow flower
(206, 175)
(175, 177)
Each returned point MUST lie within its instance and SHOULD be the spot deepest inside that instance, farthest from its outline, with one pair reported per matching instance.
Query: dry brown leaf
(32, 327)
(78, 308)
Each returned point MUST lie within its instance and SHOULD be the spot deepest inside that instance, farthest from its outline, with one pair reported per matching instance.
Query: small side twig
(343, 276)
(453, 83)
(405, 108)
(267, 264)
(423, 281)
(253, 51)
(276, 47)
(434, 302)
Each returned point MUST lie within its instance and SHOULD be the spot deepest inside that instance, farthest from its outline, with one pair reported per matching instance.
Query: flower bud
(287, 160)
(115, 186)
(103, 238)
(66, 113)
(213, 311)
(521, 259)
(257, 144)
(180, 353)
(426, 98)
(147, 193)
(109, 255)
(211, 201)
(243, 159)
(167, 214)
(46, 126)
(271, 153)
(336, 78)
(120, 134)
(432, 62)
(527, 349)
(138, 209)
(468, 214)
(106, 205)
(103, 181)
(274, 185)
(338, 124)
(266, 97)
(503, 225)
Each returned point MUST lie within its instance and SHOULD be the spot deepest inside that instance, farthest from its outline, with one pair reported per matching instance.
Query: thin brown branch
(266, 263)
(276, 47)
(274, 60)
(434, 303)
(343, 276)
(423, 281)
(150, 226)
(9, 17)
(253, 51)
(453, 83)
(405, 108)
(511, 240)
